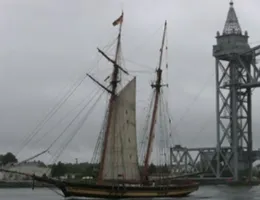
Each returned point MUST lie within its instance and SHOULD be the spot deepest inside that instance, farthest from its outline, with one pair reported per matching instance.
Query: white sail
(121, 160)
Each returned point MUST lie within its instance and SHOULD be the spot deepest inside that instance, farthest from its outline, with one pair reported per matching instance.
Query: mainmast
(157, 85)
(112, 91)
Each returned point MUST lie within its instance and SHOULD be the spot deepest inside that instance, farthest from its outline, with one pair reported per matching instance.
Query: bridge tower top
(232, 40)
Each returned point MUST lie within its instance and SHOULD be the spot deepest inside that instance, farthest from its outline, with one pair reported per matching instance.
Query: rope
(148, 39)
(47, 150)
(62, 119)
(144, 141)
(188, 108)
(165, 127)
(66, 128)
(105, 48)
(98, 147)
(139, 64)
(48, 116)
(77, 130)
(54, 110)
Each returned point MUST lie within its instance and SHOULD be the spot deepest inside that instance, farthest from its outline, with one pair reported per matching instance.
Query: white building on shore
(36, 168)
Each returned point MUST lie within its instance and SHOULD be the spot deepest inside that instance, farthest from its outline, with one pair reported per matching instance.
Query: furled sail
(121, 161)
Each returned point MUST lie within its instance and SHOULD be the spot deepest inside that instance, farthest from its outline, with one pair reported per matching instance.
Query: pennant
(118, 20)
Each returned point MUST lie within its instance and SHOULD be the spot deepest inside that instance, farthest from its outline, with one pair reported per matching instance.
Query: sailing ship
(119, 173)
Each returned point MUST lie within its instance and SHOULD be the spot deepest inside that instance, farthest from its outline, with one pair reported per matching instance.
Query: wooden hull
(128, 192)
(78, 189)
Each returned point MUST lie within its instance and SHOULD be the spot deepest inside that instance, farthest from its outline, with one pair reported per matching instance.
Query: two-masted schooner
(119, 173)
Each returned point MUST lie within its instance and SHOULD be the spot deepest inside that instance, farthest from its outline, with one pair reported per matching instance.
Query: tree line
(78, 169)
(87, 169)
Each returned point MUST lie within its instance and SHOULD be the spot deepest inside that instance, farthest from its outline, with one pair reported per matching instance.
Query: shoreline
(29, 184)
(23, 184)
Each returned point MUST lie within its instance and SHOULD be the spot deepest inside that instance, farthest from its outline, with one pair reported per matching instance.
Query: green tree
(152, 169)
(8, 158)
(58, 170)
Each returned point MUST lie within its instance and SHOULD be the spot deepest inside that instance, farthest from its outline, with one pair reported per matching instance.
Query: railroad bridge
(237, 75)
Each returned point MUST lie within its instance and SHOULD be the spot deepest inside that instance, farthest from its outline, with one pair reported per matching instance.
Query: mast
(157, 85)
(114, 82)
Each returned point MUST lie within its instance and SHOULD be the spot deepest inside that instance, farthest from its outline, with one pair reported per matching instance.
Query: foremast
(112, 91)
(157, 86)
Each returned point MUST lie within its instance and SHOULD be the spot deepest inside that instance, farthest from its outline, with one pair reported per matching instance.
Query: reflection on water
(207, 192)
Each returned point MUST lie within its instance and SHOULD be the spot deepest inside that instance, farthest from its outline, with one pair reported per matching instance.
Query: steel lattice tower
(236, 75)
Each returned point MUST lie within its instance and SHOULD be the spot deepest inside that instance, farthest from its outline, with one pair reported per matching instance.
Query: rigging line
(78, 116)
(164, 128)
(65, 116)
(105, 48)
(142, 44)
(144, 141)
(166, 116)
(188, 108)
(49, 115)
(147, 116)
(53, 113)
(171, 133)
(109, 45)
(202, 128)
(79, 127)
(163, 111)
(33, 157)
(39, 124)
(62, 133)
(140, 64)
(140, 71)
(136, 63)
(160, 130)
(97, 148)
(168, 131)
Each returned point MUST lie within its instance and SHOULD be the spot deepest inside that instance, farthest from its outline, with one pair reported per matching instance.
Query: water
(205, 193)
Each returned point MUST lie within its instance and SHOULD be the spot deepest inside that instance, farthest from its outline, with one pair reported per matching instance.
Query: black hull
(73, 189)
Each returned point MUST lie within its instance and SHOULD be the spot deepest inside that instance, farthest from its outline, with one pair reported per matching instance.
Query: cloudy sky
(47, 46)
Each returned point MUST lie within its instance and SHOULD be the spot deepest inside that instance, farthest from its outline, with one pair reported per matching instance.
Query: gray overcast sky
(47, 45)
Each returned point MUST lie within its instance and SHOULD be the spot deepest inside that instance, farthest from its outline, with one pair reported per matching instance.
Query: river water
(207, 192)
